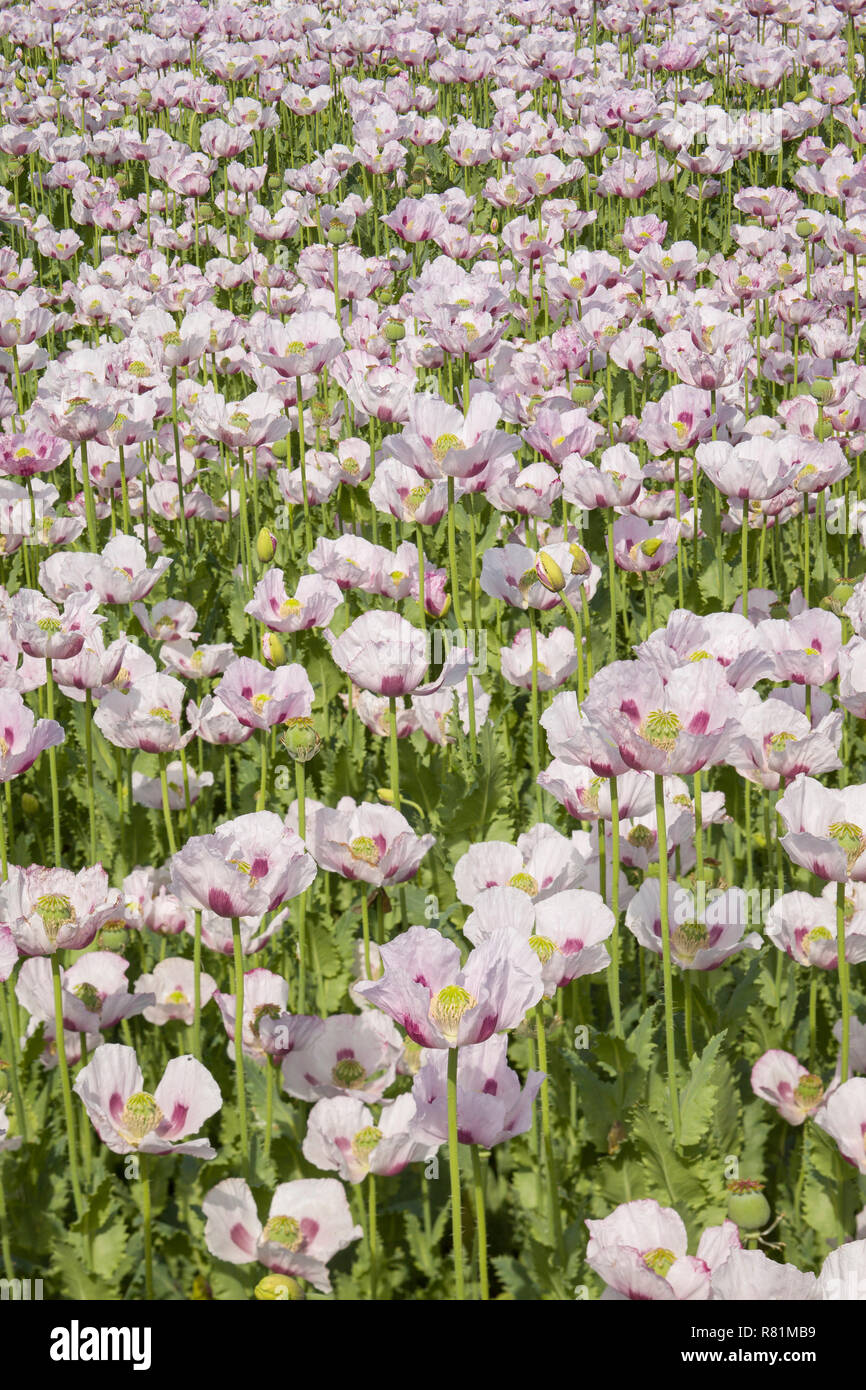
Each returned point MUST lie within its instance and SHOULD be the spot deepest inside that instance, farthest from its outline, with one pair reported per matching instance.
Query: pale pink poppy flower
(196, 663)
(826, 828)
(843, 1273)
(441, 441)
(169, 621)
(776, 743)
(350, 1054)
(94, 992)
(566, 931)
(643, 547)
(806, 648)
(8, 953)
(260, 698)
(674, 727)
(727, 638)
(843, 1116)
(309, 1222)
(543, 863)
(342, 1135)
(614, 482)
(147, 791)
(214, 722)
(641, 1252)
(492, 1106)
(575, 738)
(315, 602)
(265, 994)
(791, 1088)
(248, 866)
(366, 841)
(703, 934)
(852, 677)
(805, 928)
(557, 659)
(34, 451)
(303, 344)
(748, 1276)
(147, 717)
(678, 421)
(41, 629)
(129, 1119)
(171, 987)
(124, 576)
(94, 668)
(352, 562)
(440, 1003)
(23, 737)
(49, 910)
(385, 654)
(586, 796)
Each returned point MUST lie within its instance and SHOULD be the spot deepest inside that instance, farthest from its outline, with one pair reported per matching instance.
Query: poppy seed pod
(300, 740)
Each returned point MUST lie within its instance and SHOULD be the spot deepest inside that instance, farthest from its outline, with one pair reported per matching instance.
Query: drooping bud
(273, 650)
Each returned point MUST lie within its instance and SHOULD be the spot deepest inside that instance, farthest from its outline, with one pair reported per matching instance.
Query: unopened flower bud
(549, 573)
(385, 795)
(266, 545)
(494, 225)
(273, 650)
(29, 804)
(300, 739)
(278, 1288)
(579, 559)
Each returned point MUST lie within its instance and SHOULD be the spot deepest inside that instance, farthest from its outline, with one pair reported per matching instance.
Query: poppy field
(433, 650)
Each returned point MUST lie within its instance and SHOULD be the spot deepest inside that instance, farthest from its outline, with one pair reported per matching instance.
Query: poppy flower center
(289, 605)
(850, 838)
(295, 349)
(778, 741)
(160, 712)
(808, 1091)
(177, 996)
(444, 444)
(448, 1007)
(285, 1231)
(640, 836)
(55, 911)
(816, 934)
(263, 1011)
(525, 882)
(690, 938)
(349, 1073)
(660, 728)
(89, 996)
(49, 624)
(364, 849)
(140, 1117)
(543, 947)
(659, 1260)
(365, 1142)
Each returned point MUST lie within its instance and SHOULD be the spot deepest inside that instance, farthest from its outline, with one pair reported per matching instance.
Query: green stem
(52, 765)
(454, 1169)
(613, 968)
(533, 717)
(666, 953)
(144, 1179)
(549, 1156)
(481, 1223)
(843, 981)
(63, 1068)
(239, 1038)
